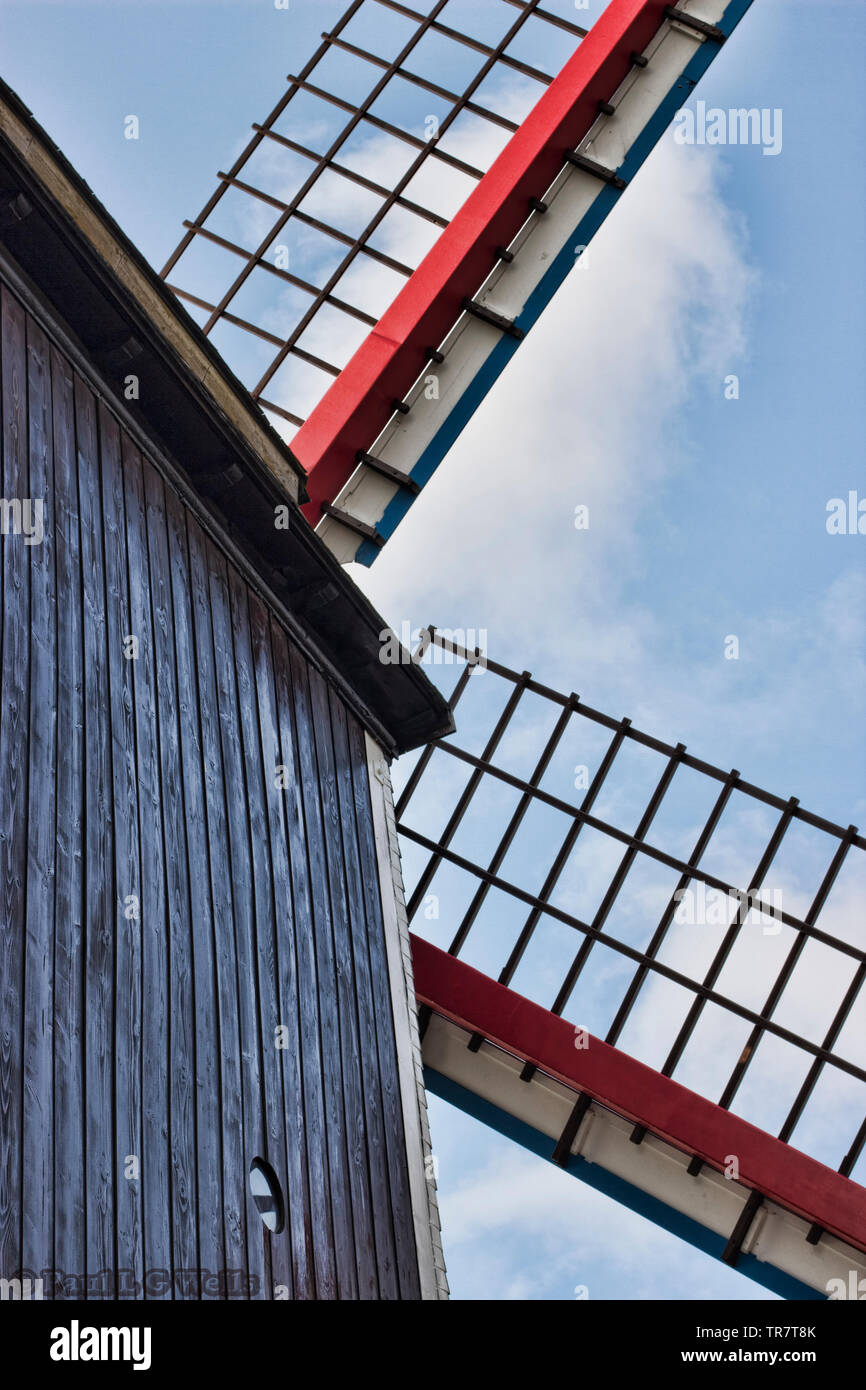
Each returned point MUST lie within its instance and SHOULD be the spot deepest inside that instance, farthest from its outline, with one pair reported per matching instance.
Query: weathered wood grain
(188, 877)
(37, 1196)
(69, 1180)
(126, 917)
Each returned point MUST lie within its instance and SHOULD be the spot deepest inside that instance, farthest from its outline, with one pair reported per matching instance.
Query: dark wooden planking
(299, 1233)
(226, 1038)
(209, 1219)
(155, 1153)
(401, 1204)
(239, 855)
(341, 1206)
(37, 1195)
(377, 1151)
(322, 1232)
(126, 919)
(260, 783)
(69, 1196)
(258, 904)
(353, 1094)
(98, 854)
(13, 784)
(181, 1062)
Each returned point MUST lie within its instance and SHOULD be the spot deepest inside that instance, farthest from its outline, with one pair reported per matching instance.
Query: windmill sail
(664, 1012)
(448, 232)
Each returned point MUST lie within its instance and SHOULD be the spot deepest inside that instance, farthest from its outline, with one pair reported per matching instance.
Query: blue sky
(708, 515)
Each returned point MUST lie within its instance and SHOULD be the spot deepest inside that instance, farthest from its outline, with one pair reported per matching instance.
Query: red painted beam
(358, 404)
(688, 1121)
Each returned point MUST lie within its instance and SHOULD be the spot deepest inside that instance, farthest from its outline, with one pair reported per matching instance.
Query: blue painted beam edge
(465, 407)
(785, 1285)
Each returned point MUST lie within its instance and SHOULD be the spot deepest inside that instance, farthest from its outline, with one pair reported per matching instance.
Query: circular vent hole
(265, 1187)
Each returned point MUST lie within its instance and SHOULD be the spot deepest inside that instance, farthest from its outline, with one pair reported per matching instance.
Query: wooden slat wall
(192, 961)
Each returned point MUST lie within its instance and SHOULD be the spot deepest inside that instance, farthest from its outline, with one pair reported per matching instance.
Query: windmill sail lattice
(700, 975)
(489, 201)
(360, 141)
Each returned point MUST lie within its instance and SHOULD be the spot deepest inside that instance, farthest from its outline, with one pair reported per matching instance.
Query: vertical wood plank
(99, 894)
(181, 1059)
(200, 959)
(155, 1185)
(219, 953)
(14, 672)
(258, 780)
(240, 858)
(299, 1216)
(401, 1206)
(344, 1248)
(38, 1135)
(355, 1130)
(69, 1200)
(127, 872)
(322, 1232)
(377, 1150)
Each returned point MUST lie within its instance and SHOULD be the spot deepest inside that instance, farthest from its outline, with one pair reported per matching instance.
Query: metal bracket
(480, 311)
(386, 470)
(700, 26)
(589, 166)
(353, 523)
(733, 1249)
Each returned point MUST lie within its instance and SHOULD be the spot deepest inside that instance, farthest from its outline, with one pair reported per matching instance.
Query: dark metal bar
(389, 129)
(513, 826)
(281, 410)
(506, 841)
(421, 764)
(476, 44)
(259, 333)
(659, 746)
(661, 930)
(361, 528)
(336, 144)
(426, 84)
(731, 1252)
(402, 182)
(562, 858)
(317, 225)
(551, 19)
(727, 945)
(385, 470)
(700, 26)
(464, 800)
(345, 173)
(589, 166)
(830, 1041)
(286, 275)
(785, 974)
(563, 1148)
(749, 899)
(746, 1057)
(845, 1168)
(618, 880)
(230, 318)
(562, 1151)
(481, 311)
(254, 143)
(708, 995)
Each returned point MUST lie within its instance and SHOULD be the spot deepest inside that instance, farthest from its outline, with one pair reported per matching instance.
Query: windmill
(371, 438)
(375, 283)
